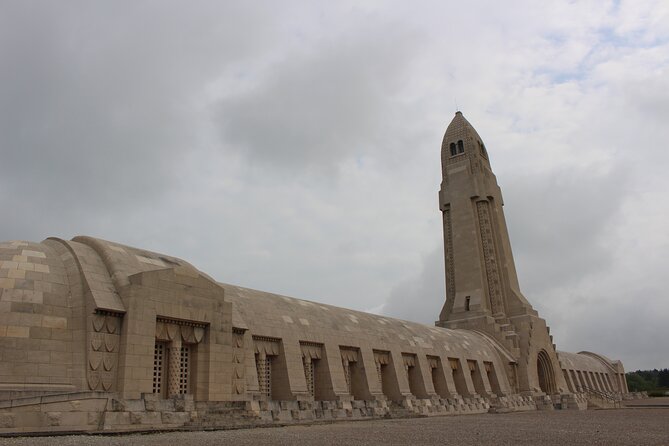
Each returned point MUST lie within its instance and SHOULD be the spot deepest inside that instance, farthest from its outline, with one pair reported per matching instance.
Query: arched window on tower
(484, 154)
(453, 149)
(461, 146)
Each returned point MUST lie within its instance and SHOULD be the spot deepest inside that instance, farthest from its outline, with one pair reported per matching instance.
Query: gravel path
(642, 426)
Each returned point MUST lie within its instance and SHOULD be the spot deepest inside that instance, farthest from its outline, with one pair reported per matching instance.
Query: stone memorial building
(95, 335)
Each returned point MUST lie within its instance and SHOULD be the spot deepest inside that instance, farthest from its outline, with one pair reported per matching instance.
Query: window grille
(184, 369)
(264, 370)
(309, 374)
(158, 367)
(268, 376)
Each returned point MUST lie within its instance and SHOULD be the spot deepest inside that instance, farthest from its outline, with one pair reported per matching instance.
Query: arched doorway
(545, 373)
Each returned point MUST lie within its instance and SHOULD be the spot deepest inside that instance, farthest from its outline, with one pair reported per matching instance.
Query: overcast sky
(294, 146)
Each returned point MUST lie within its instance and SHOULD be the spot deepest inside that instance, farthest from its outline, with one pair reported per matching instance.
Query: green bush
(655, 382)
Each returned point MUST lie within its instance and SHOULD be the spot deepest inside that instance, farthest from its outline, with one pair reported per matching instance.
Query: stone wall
(106, 412)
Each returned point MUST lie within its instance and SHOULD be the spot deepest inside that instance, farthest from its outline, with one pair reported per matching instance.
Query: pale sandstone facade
(95, 335)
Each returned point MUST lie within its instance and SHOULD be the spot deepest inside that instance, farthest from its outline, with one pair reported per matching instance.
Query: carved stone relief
(450, 261)
(238, 356)
(490, 258)
(103, 351)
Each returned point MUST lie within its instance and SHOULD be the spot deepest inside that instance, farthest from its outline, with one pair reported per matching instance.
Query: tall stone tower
(482, 289)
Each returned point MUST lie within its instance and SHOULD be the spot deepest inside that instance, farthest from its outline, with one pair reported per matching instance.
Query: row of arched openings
(457, 148)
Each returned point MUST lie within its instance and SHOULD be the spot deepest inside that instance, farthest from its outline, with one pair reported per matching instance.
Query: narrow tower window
(467, 300)
(453, 149)
(461, 147)
(482, 148)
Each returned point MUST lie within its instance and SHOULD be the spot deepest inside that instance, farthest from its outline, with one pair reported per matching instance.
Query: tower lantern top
(461, 137)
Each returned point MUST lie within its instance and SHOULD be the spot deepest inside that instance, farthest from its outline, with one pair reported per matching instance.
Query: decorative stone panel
(311, 350)
(266, 345)
(238, 359)
(449, 259)
(490, 258)
(409, 360)
(453, 362)
(103, 346)
(188, 332)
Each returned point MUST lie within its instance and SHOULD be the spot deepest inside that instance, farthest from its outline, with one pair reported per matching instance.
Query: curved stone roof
(581, 361)
(459, 128)
(28, 270)
(123, 261)
(36, 324)
(277, 316)
(31, 273)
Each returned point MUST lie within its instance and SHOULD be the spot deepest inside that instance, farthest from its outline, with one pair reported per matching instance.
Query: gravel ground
(641, 426)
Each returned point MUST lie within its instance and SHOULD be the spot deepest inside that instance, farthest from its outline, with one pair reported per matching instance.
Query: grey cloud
(321, 105)
(97, 111)
(618, 322)
(420, 298)
(558, 234)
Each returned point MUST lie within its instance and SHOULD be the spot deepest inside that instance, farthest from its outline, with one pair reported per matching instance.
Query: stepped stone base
(88, 412)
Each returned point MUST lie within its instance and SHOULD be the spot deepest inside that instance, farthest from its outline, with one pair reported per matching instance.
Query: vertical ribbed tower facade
(482, 288)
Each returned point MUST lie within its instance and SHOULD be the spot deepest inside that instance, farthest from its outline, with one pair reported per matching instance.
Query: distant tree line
(651, 381)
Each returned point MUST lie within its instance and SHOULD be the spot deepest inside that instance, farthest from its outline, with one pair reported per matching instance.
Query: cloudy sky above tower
(294, 146)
